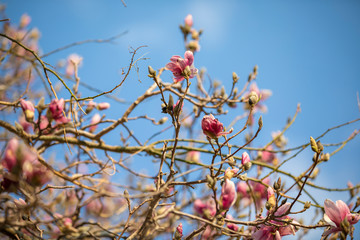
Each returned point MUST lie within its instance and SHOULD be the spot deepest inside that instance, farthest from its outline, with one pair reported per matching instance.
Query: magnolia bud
(320, 146)
(163, 120)
(253, 98)
(313, 145)
(41, 104)
(260, 122)
(235, 77)
(277, 184)
(307, 205)
(152, 72)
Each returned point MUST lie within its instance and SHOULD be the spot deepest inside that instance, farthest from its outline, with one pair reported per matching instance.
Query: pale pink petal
(332, 212)
(189, 58)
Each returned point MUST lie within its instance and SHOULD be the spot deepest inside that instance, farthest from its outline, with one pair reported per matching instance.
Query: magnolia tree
(63, 177)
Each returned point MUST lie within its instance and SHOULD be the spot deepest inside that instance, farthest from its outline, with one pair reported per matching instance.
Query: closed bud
(320, 146)
(162, 120)
(253, 98)
(260, 122)
(170, 102)
(222, 91)
(255, 70)
(152, 72)
(41, 104)
(277, 184)
(235, 91)
(307, 205)
(235, 77)
(325, 157)
(313, 145)
(247, 166)
(210, 181)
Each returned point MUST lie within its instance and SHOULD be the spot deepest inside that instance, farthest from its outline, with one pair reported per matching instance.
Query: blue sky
(308, 52)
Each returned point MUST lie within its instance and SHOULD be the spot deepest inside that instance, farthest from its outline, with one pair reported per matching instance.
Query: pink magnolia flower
(263, 94)
(335, 214)
(245, 158)
(212, 127)
(269, 157)
(231, 226)
(28, 109)
(103, 106)
(206, 210)
(25, 124)
(94, 121)
(271, 232)
(189, 20)
(10, 157)
(179, 231)
(182, 68)
(56, 109)
(228, 194)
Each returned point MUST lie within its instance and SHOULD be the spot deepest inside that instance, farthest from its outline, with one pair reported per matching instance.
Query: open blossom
(335, 214)
(228, 194)
(263, 94)
(182, 67)
(212, 127)
(28, 109)
(272, 232)
(56, 109)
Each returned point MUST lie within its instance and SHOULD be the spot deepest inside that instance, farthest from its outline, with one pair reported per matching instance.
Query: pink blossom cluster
(21, 164)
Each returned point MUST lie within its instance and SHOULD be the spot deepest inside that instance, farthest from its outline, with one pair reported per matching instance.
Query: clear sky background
(308, 52)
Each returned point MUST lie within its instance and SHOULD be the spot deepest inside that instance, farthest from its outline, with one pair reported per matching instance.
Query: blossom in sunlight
(228, 194)
(271, 199)
(262, 94)
(94, 121)
(188, 20)
(272, 232)
(212, 127)
(339, 217)
(56, 109)
(182, 67)
(28, 109)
